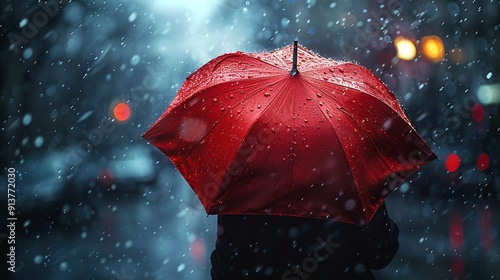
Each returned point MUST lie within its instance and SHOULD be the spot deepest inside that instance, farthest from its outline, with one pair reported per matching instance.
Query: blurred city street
(81, 81)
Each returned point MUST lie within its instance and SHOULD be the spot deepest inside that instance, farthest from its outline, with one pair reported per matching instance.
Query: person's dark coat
(282, 247)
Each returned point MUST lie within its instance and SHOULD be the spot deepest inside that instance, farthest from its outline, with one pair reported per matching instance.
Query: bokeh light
(477, 112)
(122, 111)
(483, 162)
(405, 48)
(452, 162)
(432, 47)
(457, 55)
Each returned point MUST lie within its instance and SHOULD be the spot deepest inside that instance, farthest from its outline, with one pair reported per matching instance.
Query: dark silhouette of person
(282, 247)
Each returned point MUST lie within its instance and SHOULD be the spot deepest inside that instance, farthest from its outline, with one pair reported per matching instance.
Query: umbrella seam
(246, 134)
(224, 114)
(350, 87)
(340, 144)
(364, 131)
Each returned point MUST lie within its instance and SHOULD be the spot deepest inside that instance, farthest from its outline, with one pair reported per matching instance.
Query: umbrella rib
(250, 128)
(338, 138)
(222, 116)
(353, 121)
(357, 125)
(399, 111)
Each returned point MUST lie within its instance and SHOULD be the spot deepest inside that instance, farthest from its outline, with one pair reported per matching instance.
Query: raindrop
(28, 52)
(38, 141)
(453, 9)
(27, 119)
(128, 244)
(23, 22)
(135, 59)
(132, 17)
(284, 22)
(85, 116)
(181, 267)
(387, 124)
(333, 5)
(350, 205)
(38, 259)
(489, 75)
(404, 187)
(63, 266)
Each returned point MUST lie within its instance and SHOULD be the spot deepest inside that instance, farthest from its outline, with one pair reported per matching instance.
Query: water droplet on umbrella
(308, 98)
(350, 205)
(258, 106)
(318, 94)
(266, 94)
(231, 96)
(321, 103)
(215, 100)
(305, 120)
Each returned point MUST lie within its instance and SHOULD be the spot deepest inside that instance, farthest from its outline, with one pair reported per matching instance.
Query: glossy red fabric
(331, 142)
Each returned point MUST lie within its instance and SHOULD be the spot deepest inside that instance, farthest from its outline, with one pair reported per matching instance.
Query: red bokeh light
(122, 111)
(477, 112)
(483, 162)
(456, 231)
(452, 162)
(105, 177)
(197, 249)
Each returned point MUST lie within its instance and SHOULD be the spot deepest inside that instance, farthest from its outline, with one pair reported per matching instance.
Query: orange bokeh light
(122, 111)
(432, 47)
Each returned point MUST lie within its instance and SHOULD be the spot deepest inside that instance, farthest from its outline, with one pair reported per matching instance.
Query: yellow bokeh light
(432, 47)
(405, 48)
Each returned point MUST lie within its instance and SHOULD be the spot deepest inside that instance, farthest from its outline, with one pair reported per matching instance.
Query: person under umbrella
(296, 163)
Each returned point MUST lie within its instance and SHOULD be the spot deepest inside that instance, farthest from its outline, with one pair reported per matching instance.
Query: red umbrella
(325, 140)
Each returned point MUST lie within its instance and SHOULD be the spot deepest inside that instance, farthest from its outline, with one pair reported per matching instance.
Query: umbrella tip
(294, 71)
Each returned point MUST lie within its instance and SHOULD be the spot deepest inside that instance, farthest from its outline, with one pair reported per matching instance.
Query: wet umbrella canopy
(325, 139)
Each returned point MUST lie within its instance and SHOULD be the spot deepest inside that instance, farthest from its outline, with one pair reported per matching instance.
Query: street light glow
(432, 47)
(405, 47)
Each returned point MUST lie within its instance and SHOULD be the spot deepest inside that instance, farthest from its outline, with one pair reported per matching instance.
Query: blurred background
(82, 80)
